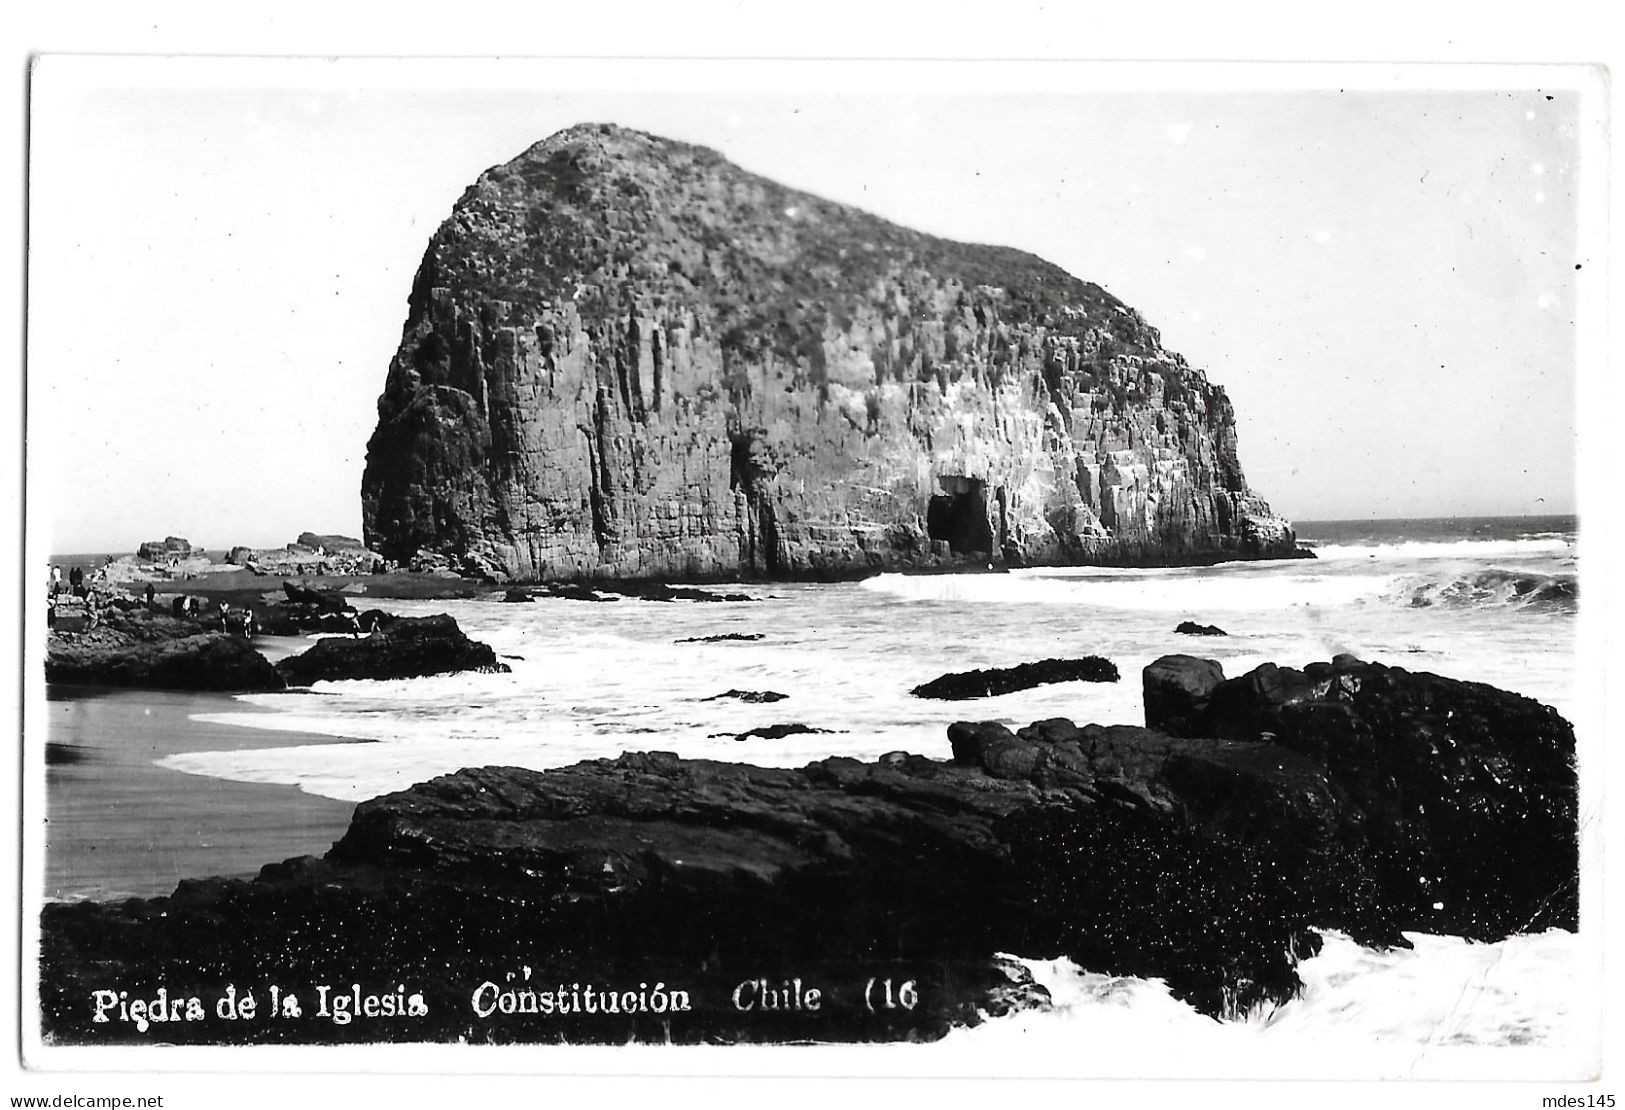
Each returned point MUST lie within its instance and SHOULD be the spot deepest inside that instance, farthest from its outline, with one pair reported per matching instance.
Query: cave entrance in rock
(958, 515)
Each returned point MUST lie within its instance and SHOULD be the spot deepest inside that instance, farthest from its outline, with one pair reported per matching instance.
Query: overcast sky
(1384, 281)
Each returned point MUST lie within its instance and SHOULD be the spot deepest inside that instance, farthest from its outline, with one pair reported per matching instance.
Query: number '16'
(905, 995)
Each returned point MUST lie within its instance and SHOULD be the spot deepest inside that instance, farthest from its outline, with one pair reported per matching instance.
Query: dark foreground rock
(1466, 793)
(509, 905)
(407, 647)
(1177, 689)
(156, 652)
(1191, 628)
(1003, 680)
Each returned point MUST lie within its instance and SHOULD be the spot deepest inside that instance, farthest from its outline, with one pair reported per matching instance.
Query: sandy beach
(119, 825)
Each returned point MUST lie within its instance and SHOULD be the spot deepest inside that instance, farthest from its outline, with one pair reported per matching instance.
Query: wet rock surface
(1347, 795)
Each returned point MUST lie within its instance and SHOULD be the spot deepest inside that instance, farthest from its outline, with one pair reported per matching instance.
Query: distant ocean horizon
(1434, 528)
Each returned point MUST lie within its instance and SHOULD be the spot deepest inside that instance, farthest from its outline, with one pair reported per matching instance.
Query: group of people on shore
(76, 581)
(80, 593)
(188, 607)
(77, 588)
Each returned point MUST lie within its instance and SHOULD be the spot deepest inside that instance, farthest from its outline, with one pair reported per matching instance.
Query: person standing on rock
(56, 580)
(225, 617)
(248, 623)
(150, 594)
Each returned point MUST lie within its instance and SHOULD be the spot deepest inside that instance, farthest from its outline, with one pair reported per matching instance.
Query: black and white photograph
(954, 568)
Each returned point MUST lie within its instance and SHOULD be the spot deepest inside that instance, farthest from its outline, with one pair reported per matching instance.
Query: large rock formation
(155, 551)
(1349, 796)
(626, 357)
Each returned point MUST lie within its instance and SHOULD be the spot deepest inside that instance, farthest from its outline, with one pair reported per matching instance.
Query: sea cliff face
(626, 357)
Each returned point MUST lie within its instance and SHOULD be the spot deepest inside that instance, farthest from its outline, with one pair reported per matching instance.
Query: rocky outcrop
(625, 357)
(320, 601)
(1465, 796)
(1192, 628)
(311, 553)
(994, 681)
(157, 653)
(1386, 801)
(170, 547)
(405, 647)
(304, 609)
(329, 542)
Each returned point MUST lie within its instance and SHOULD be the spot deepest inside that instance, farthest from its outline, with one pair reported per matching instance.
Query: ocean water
(1485, 600)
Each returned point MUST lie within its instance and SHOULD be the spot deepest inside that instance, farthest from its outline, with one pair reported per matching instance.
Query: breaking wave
(1162, 591)
(1493, 587)
(1516, 997)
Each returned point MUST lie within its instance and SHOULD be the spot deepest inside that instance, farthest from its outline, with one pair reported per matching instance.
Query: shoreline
(118, 825)
(242, 588)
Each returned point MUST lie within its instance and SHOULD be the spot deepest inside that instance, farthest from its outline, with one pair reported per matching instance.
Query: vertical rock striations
(626, 357)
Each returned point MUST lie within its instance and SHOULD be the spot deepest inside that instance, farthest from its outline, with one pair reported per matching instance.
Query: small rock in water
(779, 732)
(1004, 680)
(1191, 628)
(570, 591)
(720, 638)
(757, 696)
(659, 591)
